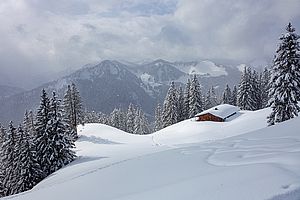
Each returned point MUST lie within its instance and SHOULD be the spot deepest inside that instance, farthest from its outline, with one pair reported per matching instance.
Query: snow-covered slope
(190, 131)
(237, 159)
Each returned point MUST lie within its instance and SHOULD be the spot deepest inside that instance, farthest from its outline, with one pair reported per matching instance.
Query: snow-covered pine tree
(28, 125)
(102, 118)
(170, 115)
(8, 159)
(41, 140)
(234, 96)
(214, 97)
(58, 150)
(2, 135)
(130, 118)
(91, 117)
(140, 123)
(158, 118)
(180, 104)
(245, 98)
(144, 124)
(207, 100)
(137, 122)
(210, 99)
(115, 118)
(255, 90)
(187, 99)
(2, 166)
(285, 79)
(16, 164)
(122, 120)
(30, 170)
(264, 87)
(77, 107)
(227, 96)
(68, 106)
(73, 110)
(195, 100)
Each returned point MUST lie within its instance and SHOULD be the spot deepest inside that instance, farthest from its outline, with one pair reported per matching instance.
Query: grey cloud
(62, 7)
(43, 37)
(174, 35)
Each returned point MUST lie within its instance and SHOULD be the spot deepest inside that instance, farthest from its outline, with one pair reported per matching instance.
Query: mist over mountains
(112, 84)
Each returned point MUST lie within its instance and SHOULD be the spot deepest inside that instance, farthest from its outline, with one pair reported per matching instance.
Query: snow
(149, 80)
(204, 67)
(241, 158)
(222, 111)
(241, 67)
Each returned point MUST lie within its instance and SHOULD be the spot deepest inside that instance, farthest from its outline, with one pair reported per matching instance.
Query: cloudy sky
(42, 37)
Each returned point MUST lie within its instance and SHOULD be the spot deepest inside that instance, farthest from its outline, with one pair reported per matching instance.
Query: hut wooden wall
(209, 117)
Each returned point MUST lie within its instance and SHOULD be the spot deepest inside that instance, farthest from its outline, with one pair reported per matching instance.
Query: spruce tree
(68, 107)
(264, 84)
(8, 159)
(285, 79)
(170, 115)
(227, 96)
(207, 101)
(187, 99)
(59, 146)
(158, 118)
(140, 123)
(122, 120)
(255, 90)
(73, 109)
(214, 98)
(195, 100)
(137, 122)
(234, 95)
(16, 164)
(245, 96)
(41, 140)
(2, 160)
(180, 104)
(30, 170)
(28, 125)
(130, 118)
(144, 124)
(115, 118)
(77, 107)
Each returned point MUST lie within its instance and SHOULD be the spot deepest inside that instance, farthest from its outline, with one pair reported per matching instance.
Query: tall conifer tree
(195, 100)
(285, 79)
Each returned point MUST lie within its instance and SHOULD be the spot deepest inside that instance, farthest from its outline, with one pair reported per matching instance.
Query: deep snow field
(240, 159)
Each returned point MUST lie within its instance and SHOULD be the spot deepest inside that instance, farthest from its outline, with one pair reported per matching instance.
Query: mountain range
(110, 84)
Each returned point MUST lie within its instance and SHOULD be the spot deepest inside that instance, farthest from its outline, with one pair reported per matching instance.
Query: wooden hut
(218, 113)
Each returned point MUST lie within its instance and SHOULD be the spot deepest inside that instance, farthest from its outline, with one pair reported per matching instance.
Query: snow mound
(191, 131)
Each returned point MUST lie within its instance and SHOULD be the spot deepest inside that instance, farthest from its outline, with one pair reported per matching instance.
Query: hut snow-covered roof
(223, 111)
